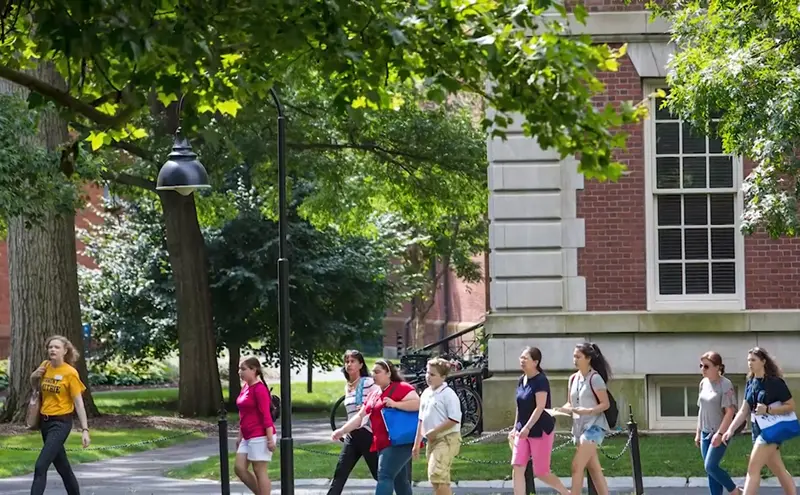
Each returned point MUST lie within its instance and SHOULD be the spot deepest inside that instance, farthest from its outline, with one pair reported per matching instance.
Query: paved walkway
(142, 474)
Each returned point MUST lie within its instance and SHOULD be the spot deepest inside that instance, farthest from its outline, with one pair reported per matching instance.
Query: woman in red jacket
(256, 430)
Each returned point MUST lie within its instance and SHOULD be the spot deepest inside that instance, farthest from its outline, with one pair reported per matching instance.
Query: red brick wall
(613, 259)
(772, 269)
(467, 306)
(82, 217)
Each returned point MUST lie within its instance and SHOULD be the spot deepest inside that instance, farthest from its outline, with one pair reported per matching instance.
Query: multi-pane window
(695, 187)
(676, 401)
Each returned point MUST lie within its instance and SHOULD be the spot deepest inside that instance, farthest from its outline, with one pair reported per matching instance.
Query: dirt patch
(120, 421)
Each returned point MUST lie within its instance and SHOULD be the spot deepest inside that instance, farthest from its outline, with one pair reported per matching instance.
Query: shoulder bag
(400, 425)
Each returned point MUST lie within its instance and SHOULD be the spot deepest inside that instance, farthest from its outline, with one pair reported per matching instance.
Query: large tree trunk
(200, 390)
(43, 278)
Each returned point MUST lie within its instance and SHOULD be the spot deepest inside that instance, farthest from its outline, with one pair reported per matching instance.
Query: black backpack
(612, 413)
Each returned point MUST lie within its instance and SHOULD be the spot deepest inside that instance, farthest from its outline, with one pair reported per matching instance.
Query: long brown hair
(715, 359)
(352, 353)
(390, 368)
(72, 354)
(255, 364)
(596, 359)
(771, 368)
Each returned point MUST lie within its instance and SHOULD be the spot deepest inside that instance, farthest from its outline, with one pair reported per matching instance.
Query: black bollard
(530, 483)
(590, 484)
(224, 472)
(636, 459)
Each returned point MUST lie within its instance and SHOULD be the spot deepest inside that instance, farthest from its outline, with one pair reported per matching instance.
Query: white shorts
(256, 449)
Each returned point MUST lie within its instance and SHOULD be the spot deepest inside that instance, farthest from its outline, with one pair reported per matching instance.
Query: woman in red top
(394, 461)
(256, 440)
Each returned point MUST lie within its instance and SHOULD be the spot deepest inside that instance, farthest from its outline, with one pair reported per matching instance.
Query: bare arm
(81, 411)
(409, 403)
(355, 422)
(604, 403)
(740, 417)
(784, 408)
(726, 420)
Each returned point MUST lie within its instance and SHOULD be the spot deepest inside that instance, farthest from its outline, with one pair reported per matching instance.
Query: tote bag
(777, 428)
(400, 425)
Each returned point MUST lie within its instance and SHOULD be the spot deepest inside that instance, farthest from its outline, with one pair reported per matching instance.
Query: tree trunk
(200, 390)
(234, 384)
(43, 278)
(310, 371)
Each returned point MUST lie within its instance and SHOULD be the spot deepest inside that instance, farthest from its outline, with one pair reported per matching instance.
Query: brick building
(82, 218)
(456, 305)
(653, 267)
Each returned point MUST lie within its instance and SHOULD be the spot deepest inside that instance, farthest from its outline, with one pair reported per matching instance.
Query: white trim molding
(687, 302)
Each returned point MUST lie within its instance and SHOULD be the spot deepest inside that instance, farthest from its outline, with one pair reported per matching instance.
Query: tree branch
(373, 147)
(129, 180)
(64, 99)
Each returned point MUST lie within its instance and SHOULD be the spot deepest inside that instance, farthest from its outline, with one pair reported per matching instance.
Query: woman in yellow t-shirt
(61, 388)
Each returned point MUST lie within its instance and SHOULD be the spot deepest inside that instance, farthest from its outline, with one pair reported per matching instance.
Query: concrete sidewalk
(143, 474)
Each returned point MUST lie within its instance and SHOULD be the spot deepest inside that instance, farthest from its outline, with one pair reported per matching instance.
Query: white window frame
(686, 302)
(669, 423)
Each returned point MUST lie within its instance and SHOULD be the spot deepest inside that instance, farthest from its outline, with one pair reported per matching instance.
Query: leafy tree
(340, 285)
(108, 64)
(736, 61)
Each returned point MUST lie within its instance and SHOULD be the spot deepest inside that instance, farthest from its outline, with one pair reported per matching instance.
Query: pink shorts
(537, 449)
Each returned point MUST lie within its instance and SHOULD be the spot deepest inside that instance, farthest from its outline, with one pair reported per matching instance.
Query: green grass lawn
(15, 463)
(661, 456)
(164, 401)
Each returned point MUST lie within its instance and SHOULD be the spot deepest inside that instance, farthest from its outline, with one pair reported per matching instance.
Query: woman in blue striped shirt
(358, 442)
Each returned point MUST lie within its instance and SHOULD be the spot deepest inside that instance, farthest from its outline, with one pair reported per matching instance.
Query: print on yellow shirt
(59, 387)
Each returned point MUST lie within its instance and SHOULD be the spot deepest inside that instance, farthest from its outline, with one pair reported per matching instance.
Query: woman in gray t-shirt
(716, 401)
(587, 402)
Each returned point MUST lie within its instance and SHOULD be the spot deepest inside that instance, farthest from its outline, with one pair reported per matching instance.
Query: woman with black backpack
(591, 406)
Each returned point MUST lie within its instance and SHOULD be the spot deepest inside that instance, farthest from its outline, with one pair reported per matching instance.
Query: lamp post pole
(287, 443)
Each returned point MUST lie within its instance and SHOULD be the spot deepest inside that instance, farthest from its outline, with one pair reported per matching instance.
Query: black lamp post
(182, 172)
(287, 443)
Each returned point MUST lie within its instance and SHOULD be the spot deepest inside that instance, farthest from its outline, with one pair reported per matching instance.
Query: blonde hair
(441, 365)
(72, 354)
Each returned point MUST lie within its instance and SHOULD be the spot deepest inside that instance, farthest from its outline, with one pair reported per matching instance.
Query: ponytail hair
(255, 364)
(71, 354)
(596, 359)
(535, 355)
(715, 359)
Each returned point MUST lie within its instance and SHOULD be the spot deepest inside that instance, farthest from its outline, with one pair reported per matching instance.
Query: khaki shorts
(440, 453)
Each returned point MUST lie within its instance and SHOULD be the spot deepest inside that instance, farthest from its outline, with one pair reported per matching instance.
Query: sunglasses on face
(704, 366)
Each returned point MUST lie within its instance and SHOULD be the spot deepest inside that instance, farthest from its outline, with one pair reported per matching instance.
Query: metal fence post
(224, 471)
(636, 460)
(590, 484)
(530, 483)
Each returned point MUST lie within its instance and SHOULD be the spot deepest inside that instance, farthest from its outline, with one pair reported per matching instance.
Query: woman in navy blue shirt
(534, 428)
(765, 386)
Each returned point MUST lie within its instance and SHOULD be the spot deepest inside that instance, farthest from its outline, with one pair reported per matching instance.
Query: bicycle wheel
(471, 409)
(338, 414)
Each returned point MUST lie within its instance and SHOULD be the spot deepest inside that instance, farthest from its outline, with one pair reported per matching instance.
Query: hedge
(116, 372)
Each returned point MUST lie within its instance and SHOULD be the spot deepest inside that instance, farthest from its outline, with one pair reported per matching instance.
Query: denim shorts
(759, 440)
(594, 434)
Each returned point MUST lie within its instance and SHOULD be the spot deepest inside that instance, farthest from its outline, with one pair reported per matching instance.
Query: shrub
(121, 373)
(3, 374)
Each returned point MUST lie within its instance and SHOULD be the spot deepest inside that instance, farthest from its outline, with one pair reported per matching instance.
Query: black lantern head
(182, 172)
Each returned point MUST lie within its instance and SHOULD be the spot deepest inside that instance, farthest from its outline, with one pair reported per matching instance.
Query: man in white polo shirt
(440, 425)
